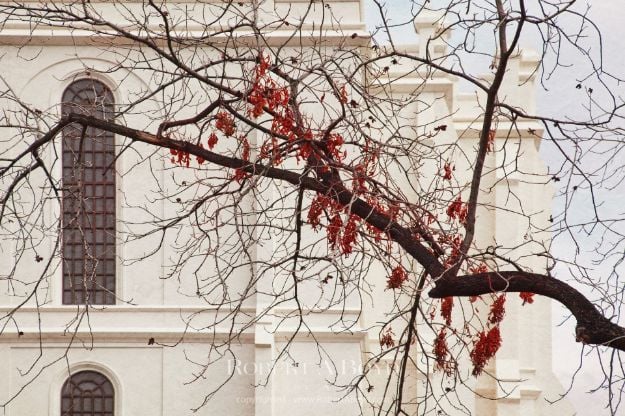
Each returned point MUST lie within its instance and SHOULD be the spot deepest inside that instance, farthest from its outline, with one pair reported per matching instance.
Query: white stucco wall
(154, 379)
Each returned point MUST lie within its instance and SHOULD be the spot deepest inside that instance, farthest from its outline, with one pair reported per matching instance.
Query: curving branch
(335, 190)
(592, 326)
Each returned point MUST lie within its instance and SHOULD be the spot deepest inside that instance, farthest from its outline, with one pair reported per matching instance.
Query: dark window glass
(88, 198)
(87, 393)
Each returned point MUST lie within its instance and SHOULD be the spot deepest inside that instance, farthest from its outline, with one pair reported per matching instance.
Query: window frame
(92, 239)
(103, 382)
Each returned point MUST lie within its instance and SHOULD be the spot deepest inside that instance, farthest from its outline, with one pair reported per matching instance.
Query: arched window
(87, 393)
(88, 198)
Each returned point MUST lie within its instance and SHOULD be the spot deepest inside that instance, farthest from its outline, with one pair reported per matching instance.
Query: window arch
(88, 198)
(87, 393)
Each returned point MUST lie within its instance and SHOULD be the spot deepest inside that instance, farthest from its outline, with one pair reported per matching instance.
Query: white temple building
(141, 346)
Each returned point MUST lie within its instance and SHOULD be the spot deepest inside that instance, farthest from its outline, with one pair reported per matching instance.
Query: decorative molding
(307, 35)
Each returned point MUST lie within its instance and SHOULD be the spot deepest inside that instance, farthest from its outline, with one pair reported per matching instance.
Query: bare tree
(293, 172)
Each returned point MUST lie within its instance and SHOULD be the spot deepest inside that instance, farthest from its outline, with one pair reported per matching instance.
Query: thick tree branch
(398, 233)
(592, 327)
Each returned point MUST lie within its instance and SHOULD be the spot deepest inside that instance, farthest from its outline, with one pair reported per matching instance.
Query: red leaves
(349, 234)
(334, 143)
(258, 102)
(180, 157)
(305, 150)
(457, 209)
(240, 174)
(485, 348)
(454, 243)
(245, 152)
(284, 124)
(387, 339)
(225, 123)
(397, 278)
(265, 92)
(448, 169)
(334, 229)
(481, 268)
(528, 297)
(497, 310)
(359, 179)
(441, 351)
(447, 304)
(485, 345)
(212, 141)
(257, 95)
(343, 94)
(278, 97)
(263, 65)
(317, 206)
(391, 210)
(268, 95)
(341, 235)
(488, 341)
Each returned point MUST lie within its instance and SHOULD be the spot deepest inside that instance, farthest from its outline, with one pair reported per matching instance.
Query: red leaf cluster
(271, 149)
(453, 242)
(528, 297)
(497, 309)
(343, 94)
(349, 234)
(212, 141)
(333, 145)
(485, 348)
(340, 235)
(488, 341)
(284, 124)
(447, 304)
(480, 268)
(265, 92)
(262, 67)
(266, 95)
(386, 340)
(447, 171)
(180, 157)
(245, 148)
(397, 278)
(224, 122)
(239, 175)
(317, 206)
(334, 230)
(441, 352)
(359, 179)
(457, 209)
